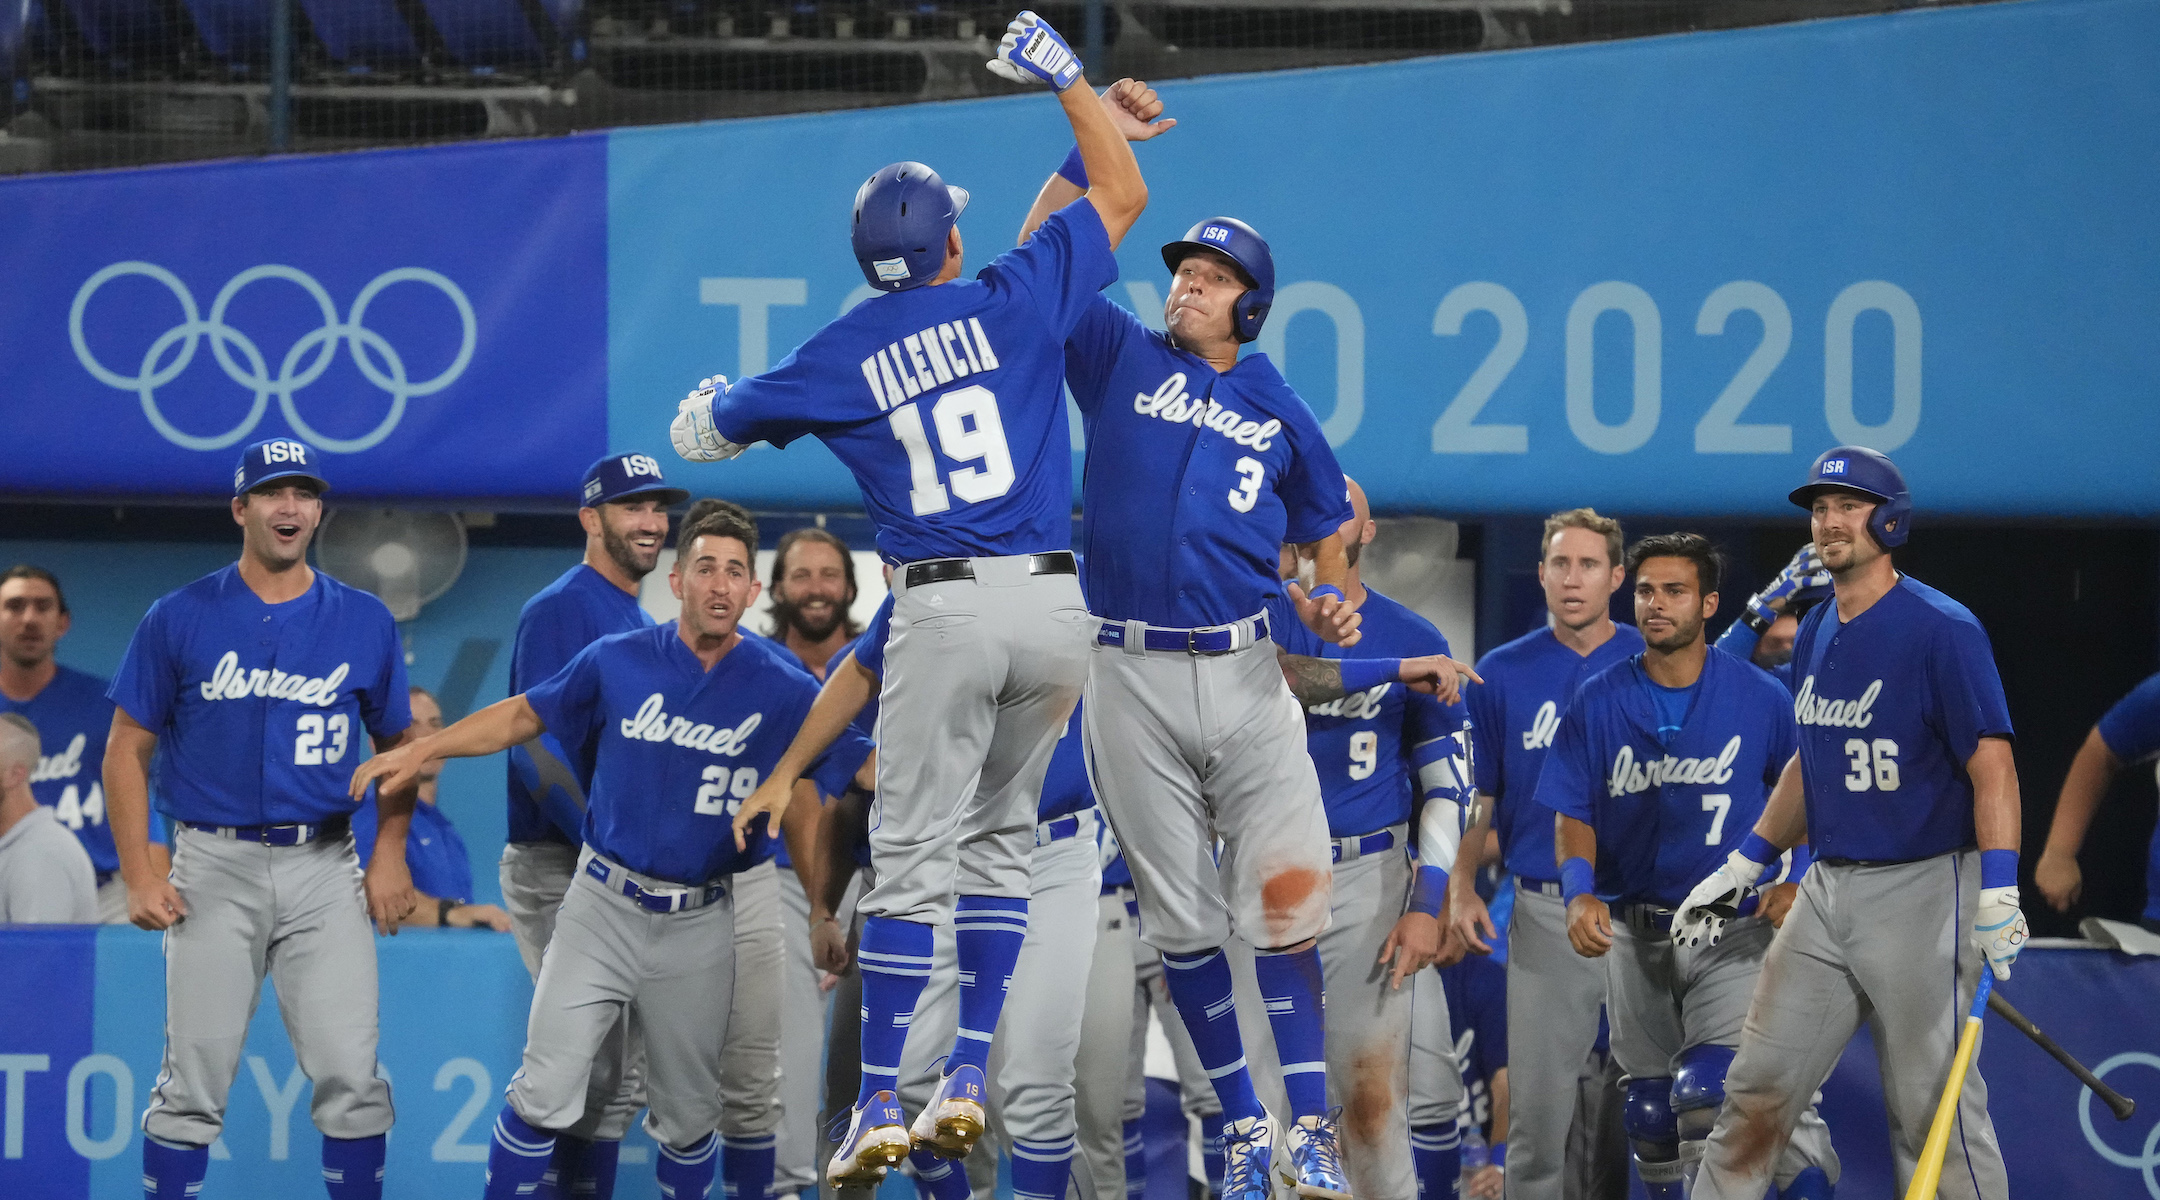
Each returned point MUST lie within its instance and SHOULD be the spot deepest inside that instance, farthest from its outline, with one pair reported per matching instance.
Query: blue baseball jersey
(1667, 805)
(2131, 730)
(1065, 784)
(1194, 478)
(678, 748)
(1890, 708)
(434, 851)
(1513, 717)
(944, 400)
(73, 715)
(259, 709)
(576, 610)
(1476, 991)
(1375, 750)
(1740, 641)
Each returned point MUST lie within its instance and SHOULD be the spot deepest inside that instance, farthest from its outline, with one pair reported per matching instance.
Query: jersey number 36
(1882, 755)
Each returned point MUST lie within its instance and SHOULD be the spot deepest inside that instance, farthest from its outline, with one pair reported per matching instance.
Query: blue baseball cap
(621, 476)
(277, 458)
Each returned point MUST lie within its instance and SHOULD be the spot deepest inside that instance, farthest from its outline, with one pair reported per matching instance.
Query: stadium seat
(486, 33)
(125, 34)
(363, 33)
(234, 31)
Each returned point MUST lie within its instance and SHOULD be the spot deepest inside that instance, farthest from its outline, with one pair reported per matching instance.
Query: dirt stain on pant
(1288, 899)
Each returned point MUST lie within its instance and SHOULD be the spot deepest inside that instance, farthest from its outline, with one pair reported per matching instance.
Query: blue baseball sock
(1135, 1161)
(895, 961)
(1290, 983)
(746, 1166)
(1200, 988)
(580, 1169)
(1437, 1152)
(687, 1174)
(517, 1157)
(1040, 1169)
(172, 1170)
(352, 1168)
(987, 932)
(1214, 1156)
(938, 1178)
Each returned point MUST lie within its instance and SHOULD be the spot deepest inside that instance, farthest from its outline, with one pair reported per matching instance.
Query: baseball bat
(1928, 1172)
(2122, 1106)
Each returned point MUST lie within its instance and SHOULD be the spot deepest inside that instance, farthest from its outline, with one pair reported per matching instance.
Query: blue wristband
(1428, 891)
(1325, 589)
(1073, 170)
(1802, 859)
(1363, 674)
(1998, 868)
(1577, 878)
(1498, 1151)
(1757, 848)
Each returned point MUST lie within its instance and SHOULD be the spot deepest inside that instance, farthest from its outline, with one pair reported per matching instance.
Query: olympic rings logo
(2147, 1159)
(175, 349)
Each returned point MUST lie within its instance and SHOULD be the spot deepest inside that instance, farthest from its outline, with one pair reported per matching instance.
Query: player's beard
(792, 619)
(1683, 635)
(625, 555)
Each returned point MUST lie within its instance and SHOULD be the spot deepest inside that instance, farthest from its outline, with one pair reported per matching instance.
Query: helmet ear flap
(1248, 314)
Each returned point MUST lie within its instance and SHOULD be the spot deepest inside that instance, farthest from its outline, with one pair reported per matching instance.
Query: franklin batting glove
(693, 432)
(1804, 576)
(1999, 928)
(1701, 918)
(1032, 50)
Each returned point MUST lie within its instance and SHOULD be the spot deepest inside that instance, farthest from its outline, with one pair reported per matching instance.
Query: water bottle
(1475, 1156)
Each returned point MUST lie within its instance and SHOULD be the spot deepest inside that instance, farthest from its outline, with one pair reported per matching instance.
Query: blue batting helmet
(1858, 469)
(902, 215)
(1243, 245)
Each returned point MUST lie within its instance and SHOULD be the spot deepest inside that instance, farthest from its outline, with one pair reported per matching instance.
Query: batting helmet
(1858, 469)
(1243, 245)
(902, 215)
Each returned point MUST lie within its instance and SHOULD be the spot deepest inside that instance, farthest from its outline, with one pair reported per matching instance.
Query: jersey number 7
(968, 429)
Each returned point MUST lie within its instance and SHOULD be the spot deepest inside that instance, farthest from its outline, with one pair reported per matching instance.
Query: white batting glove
(693, 432)
(1701, 918)
(1034, 52)
(1999, 928)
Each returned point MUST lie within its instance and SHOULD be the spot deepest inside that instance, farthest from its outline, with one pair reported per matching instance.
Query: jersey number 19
(968, 430)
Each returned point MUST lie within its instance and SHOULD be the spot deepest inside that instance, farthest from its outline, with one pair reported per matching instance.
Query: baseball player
(1763, 634)
(2128, 734)
(813, 589)
(72, 716)
(45, 874)
(279, 670)
(942, 397)
(434, 850)
(1905, 784)
(623, 503)
(1660, 766)
(1556, 1080)
(1378, 752)
(1462, 1032)
(683, 720)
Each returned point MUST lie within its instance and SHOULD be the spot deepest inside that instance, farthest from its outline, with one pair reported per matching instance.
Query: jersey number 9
(1364, 754)
(969, 430)
(723, 792)
(308, 749)
(1883, 753)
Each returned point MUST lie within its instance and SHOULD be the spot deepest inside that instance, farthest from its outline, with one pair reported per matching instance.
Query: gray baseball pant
(750, 1098)
(802, 1045)
(296, 913)
(1887, 946)
(1556, 1091)
(1437, 1094)
(1101, 1082)
(112, 902)
(608, 956)
(980, 680)
(535, 879)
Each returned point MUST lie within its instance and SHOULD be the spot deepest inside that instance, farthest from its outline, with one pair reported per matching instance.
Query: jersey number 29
(724, 792)
(968, 430)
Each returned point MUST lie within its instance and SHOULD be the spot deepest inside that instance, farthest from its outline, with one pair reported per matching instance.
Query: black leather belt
(948, 570)
(1837, 861)
(275, 835)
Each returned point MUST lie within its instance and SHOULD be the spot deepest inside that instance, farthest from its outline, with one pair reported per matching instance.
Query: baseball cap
(621, 476)
(277, 458)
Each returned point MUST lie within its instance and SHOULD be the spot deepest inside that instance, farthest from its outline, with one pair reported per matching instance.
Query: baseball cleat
(1315, 1167)
(950, 1123)
(1248, 1159)
(876, 1141)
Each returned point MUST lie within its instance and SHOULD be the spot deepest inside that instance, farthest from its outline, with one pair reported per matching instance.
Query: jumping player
(942, 397)
(1378, 752)
(277, 670)
(2128, 734)
(1660, 766)
(685, 718)
(1555, 1080)
(623, 507)
(1905, 784)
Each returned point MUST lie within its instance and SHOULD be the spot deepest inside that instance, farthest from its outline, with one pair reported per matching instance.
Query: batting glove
(1701, 918)
(693, 432)
(1804, 575)
(1999, 928)
(1032, 51)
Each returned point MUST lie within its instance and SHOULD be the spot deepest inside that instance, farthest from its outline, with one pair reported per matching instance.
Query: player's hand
(1032, 52)
(390, 895)
(390, 771)
(473, 916)
(1487, 1184)
(829, 947)
(1999, 928)
(693, 433)
(1700, 920)
(2060, 880)
(1335, 621)
(1589, 926)
(1438, 676)
(1132, 105)
(1467, 917)
(1804, 575)
(1777, 900)
(1411, 946)
(156, 905)
(771, 797)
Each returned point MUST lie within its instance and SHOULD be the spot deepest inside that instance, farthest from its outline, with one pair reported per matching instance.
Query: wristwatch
(442, 910)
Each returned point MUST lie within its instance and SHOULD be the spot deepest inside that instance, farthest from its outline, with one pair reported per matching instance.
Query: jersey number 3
(968, 430)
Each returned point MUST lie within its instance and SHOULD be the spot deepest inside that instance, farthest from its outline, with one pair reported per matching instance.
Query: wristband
(1802, 859)
(1498, 1151)
(1756, 621)
(1998, 868)
(1361, 674)
(1757, 849)
(1428, 891)
(1073, 170)
(442, 910)
(1325, 589)
(1577, 878)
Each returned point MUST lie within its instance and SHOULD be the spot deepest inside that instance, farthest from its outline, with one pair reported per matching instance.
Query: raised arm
(848, 686)
(493, 729)
(1033, 51)
(1132, 107)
